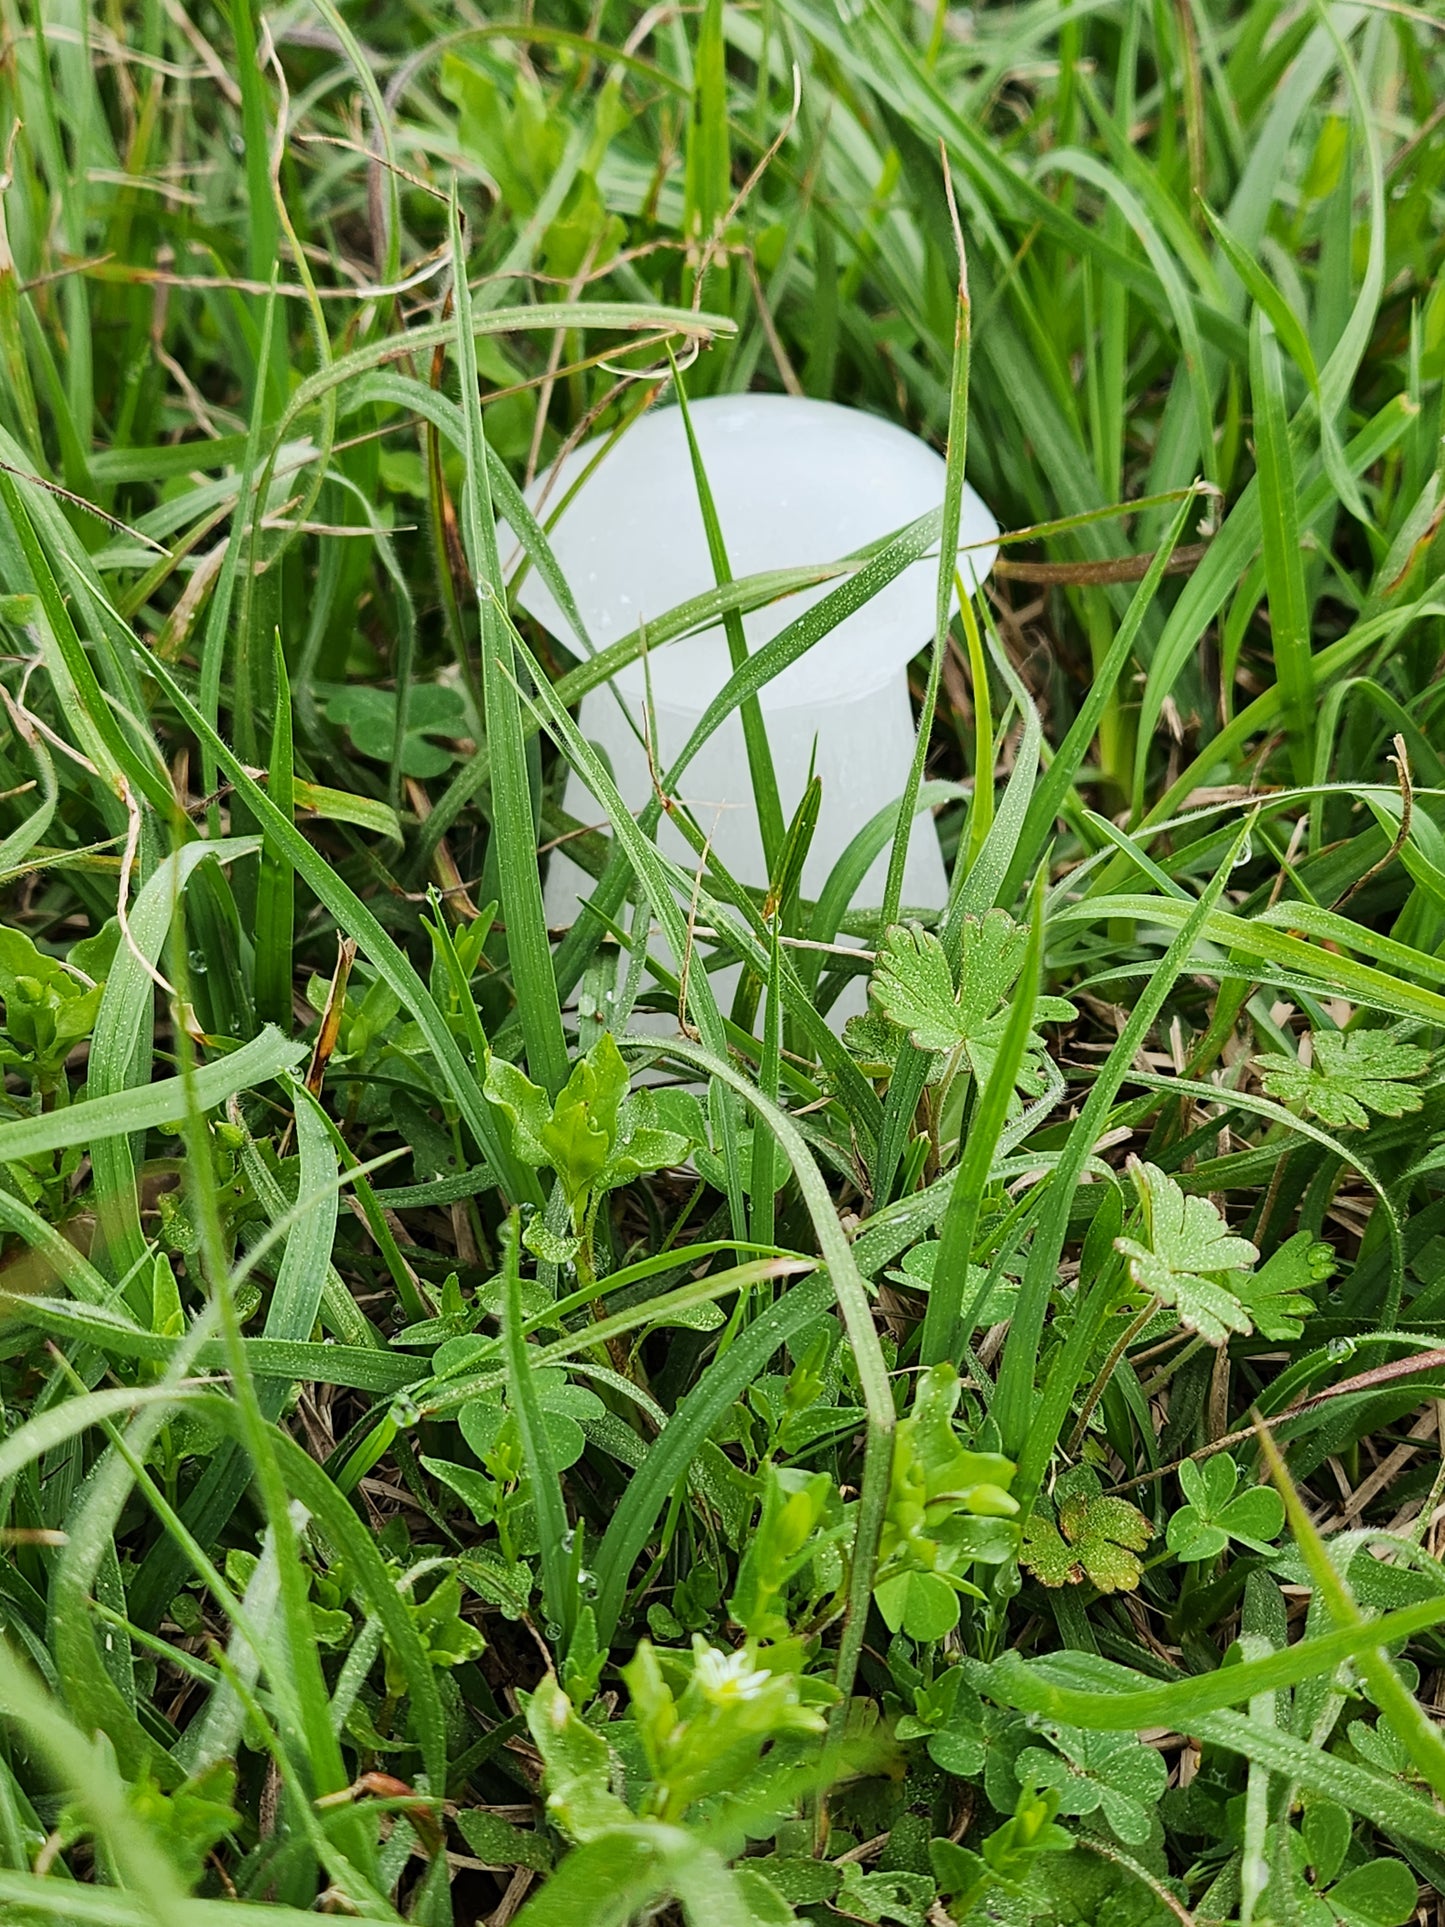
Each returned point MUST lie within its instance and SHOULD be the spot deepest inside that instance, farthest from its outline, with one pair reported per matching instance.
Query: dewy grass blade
(120, 1053)
(238, 542)
(313, 1740)
(647, 320)
(1059, 778)
(1112, 1703)
(957, 457)
(1281, 531)
(276, 886)
(646, 863)
(755, 733)
(1421, 1738)
(118, 755)
(301, 1282)
(15, 847)
(513, 824)
(358, 921)
(1015, 1398)
(559, 1588)
(944, 1328)
(147, 1105)
(1229, 555)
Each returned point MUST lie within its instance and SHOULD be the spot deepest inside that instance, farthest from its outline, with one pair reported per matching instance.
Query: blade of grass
(275, 929)
(1289, 612)
(957, 456)
(358, 921)
(559, 1589)
(755, 733)
(144, 1107)
(513, 823)
(1015, 1397)
(944, 1326)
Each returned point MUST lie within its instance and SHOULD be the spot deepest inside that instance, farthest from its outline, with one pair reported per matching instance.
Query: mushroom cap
(795, 483)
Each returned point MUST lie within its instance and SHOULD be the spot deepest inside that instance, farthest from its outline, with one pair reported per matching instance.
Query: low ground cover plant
(494, 1430)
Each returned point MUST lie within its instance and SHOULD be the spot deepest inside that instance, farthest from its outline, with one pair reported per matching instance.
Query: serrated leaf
(1096, 1538)
(1047, 1556)
(1353, 1073)
(1189, 1256)
(913, 988)
(1277, 1295)
(903, 1898)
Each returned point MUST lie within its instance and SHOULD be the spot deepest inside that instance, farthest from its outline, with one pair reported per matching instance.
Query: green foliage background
(982, 1468)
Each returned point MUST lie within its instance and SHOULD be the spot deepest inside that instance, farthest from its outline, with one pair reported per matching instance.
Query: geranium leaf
(913, 987)
(1191, 1257)
(1277, 1295)
(1353, 1073)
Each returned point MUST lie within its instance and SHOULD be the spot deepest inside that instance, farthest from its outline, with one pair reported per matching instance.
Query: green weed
(470, 1455)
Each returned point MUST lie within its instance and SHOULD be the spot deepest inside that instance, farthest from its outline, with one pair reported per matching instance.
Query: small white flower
(726, 1677)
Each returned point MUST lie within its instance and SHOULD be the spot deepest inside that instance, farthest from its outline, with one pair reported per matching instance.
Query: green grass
(983, 1468)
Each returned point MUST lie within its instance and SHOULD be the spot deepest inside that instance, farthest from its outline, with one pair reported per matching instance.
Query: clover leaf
(487, 1425)
(1375, 1893)
(1216, 1514)
(949, 1715)
(1189, 1256)
(1112, 1772)
(913, 988)
(368, 716)
(1353, 1073)
(1096, 1538)
(1381, 1893)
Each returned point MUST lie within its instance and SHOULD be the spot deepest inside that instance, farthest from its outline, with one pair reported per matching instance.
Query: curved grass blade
(513, 824)
(358, 921)
(944, 1325)
(1015, 1398)
(148, 1105)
